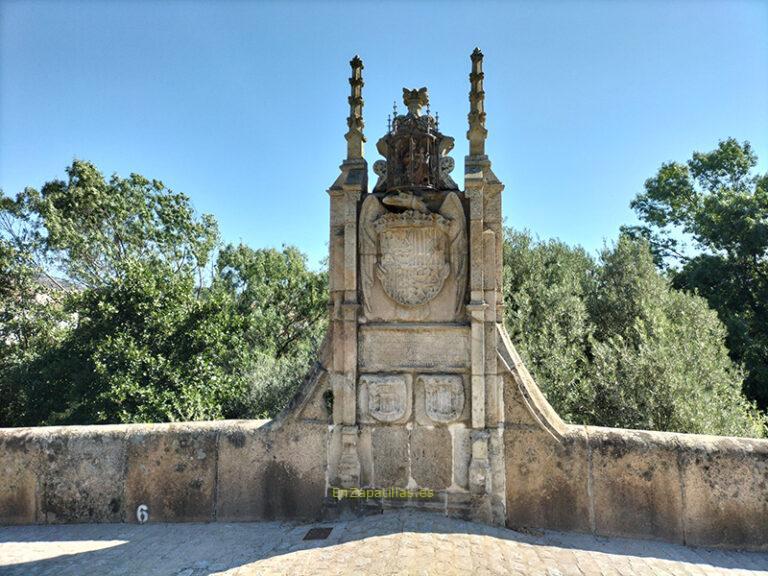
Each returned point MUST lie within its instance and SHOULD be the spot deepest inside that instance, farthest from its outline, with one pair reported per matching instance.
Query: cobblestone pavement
(392, 543)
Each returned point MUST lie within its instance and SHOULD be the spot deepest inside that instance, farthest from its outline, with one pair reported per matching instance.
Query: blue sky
(242, 105)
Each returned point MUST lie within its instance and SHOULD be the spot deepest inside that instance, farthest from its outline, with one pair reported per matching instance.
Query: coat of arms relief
(417, 258)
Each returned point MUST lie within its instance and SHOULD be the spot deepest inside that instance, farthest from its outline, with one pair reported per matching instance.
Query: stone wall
(191, 472)
(685, 488)
(692, 489)
(228, 470)
(699, 490)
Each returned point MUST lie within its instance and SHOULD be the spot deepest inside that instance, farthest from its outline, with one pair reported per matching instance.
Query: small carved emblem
(387, 400)
(444, 397)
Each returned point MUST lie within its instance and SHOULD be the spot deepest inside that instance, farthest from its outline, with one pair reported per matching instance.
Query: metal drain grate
(318, 533)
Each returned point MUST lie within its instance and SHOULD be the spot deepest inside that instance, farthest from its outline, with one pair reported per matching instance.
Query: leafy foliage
(105, 317)
(285, 302)
(612, 343)
(707, 221)
(546, 286)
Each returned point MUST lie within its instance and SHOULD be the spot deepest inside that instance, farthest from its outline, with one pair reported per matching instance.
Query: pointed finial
(394, 109)
(354, 135)
(389, 123)
(437, 120)
(477, 132)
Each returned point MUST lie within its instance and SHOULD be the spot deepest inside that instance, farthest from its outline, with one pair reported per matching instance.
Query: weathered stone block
(402, 347)
(460, 504)
(20, 462)
(462, 454)
(391, 465)
(84, 474)
(431, 457)
(516, 412)
(171, 468)
(547, 480)
(266, 473)
(365, 454)
(636, 484)
(725, 482)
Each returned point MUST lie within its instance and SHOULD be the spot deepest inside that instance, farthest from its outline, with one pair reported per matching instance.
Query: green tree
(545, 291)
(659, 359)
(707, 221)
(612, 343)
(285, 301)
(105, 317)
(284, 305)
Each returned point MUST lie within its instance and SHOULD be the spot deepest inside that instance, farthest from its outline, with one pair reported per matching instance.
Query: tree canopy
(612, 343)
(107, 313)
(707, 222)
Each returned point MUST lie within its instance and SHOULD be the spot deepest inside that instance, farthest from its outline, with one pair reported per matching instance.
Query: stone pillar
(485, 310)
(345, 195)
(473, 189)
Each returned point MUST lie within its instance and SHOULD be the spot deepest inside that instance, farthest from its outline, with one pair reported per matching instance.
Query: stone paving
(393, 543)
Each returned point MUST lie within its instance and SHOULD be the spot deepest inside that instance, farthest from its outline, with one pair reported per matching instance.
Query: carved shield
(444, 397)
(387, 398)
(412, 264)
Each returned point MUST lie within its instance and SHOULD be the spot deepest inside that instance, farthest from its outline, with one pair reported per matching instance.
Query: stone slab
(84, 475)
(462, 452)
(20, 462)
(172, 470)
(271, 473)
(636, 484)
(547, 480)
(418, 347)
(391, 465)
(725, 482)
(431, 457)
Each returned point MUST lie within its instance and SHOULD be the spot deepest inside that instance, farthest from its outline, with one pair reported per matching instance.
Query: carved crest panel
(443, 397)
(412, 263)
(416, 255)
(384, 398)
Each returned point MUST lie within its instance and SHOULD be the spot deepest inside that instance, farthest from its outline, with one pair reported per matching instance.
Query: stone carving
(369, 212)
(349, 464)
(388, 397)
(354, 136)
(412, 253)
(444, 396)
(457, 242)
(415, 100)
(415, 149)
(412, 265)
(407, 200)
(380, 168)
(447, 164)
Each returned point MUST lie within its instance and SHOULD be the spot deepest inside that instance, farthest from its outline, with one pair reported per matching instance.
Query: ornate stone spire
(354, 136)
(477, 132)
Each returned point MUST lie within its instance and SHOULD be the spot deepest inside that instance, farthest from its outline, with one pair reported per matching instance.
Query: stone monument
(417, 398)
(416, 313)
